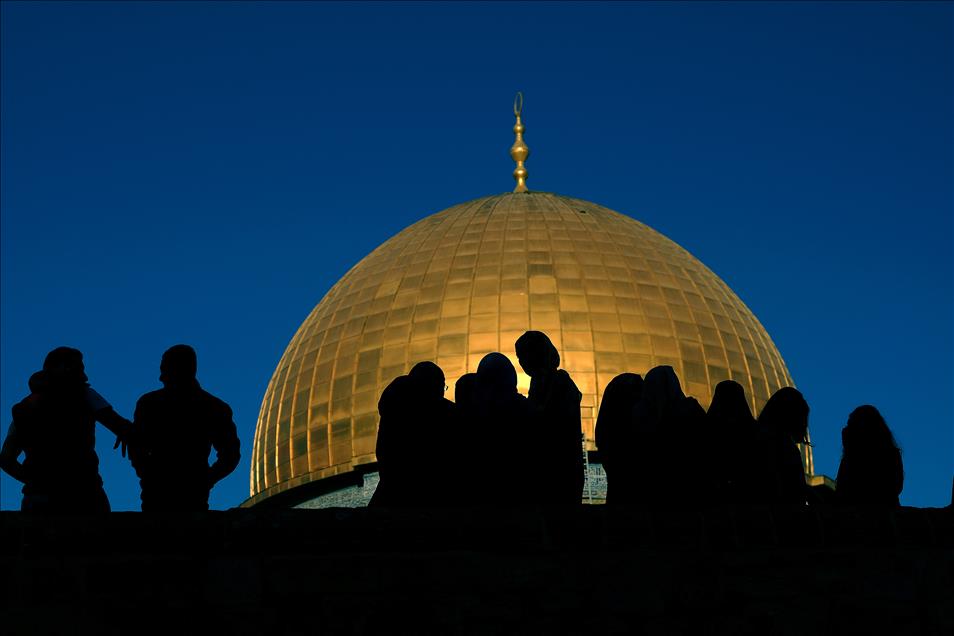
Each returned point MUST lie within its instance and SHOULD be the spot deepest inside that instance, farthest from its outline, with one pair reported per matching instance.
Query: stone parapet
(448, 571)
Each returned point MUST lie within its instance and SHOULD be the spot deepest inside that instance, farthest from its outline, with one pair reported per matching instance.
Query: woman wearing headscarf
(783, 424)
(394, 445)
(501, 432)
(615, 438)
(467, 459)
(871, 472)
(730, 431)
(416, 437)
(669, 426)
(555, 399)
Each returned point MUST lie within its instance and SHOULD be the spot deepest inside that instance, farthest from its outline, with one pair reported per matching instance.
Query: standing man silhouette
(175, 429)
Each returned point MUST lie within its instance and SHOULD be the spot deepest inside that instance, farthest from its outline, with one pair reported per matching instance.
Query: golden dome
(613, 294)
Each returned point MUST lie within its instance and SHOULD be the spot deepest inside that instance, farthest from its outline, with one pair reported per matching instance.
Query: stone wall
(593, 569)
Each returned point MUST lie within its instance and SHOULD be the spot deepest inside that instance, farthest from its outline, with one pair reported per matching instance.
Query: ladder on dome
(588, 486)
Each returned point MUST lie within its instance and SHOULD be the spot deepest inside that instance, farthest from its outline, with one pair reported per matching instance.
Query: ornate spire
(519, 151)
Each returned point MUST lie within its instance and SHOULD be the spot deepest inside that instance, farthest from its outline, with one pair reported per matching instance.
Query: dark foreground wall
(589, 570)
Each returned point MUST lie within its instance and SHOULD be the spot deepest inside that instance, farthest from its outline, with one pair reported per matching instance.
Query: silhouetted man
(176, 428)
(55, 429)
(556, 400)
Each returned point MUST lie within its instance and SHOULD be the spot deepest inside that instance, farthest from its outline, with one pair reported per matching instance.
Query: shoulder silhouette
(176, 429)
(871, 472)
(54, 428)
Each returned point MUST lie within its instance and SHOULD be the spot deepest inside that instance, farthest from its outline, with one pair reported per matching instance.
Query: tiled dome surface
(613, 294)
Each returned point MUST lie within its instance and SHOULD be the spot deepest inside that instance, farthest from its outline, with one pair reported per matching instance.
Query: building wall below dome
(612, 294)
(358, 496)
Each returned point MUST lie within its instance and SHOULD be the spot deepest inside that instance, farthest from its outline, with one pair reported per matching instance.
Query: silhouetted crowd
(658, 447)
(169, 440)
(431, 450)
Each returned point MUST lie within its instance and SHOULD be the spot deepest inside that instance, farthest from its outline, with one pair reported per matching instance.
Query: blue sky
(203, 173)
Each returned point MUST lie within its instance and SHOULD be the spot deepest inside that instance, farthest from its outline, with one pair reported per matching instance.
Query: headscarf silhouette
(661, 396)
(465, 391)
(496, 377)
(783, 423)
(429, 379)
(499, 419)
(729, 404)
(615, 434)
(730, 431)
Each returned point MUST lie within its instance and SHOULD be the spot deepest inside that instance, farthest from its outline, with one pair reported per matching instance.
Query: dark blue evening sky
(203, 173)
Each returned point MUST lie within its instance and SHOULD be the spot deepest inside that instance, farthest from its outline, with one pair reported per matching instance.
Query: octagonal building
(613, 295)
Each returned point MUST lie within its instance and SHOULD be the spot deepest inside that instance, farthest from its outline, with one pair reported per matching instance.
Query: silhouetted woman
(871, 471)
(413, 448)
(501, 433)
(732, 435)
(615, 435)
(556, 401)
(465, 392)
(393, 445)
(783, 423)
(468, 458)
(669, 426)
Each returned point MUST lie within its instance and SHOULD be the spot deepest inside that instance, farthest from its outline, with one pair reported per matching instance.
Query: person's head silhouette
(429, 379)
(64, 367)
(38, 382)
(661, 386)
(465, 390)
(178, 366)
(496, 374)
(536, 353)
(729, 403)
(786, 412)
(866, 431)
(621, 394)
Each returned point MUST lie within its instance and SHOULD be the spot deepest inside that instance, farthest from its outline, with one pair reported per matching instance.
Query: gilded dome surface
(613, 294)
